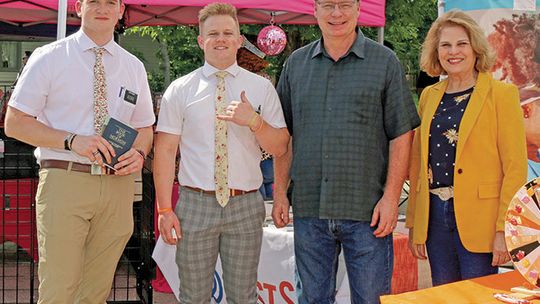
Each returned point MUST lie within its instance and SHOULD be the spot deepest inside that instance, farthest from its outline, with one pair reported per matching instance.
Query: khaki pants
(83, 225)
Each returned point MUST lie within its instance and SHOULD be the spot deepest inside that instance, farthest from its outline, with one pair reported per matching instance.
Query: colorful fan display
(522, 231)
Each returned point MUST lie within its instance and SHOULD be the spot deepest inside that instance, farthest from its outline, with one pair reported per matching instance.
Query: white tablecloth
(275, 275)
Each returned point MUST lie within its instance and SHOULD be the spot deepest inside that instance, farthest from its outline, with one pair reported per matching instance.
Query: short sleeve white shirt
(56, 87)
(188, 109)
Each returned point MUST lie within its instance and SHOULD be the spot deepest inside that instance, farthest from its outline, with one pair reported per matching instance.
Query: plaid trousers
(234, 232)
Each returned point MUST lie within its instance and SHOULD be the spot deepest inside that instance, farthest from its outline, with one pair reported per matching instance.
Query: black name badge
(130, 97)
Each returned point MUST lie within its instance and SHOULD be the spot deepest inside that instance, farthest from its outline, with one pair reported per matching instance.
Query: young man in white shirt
(84, 212)
(214, 215)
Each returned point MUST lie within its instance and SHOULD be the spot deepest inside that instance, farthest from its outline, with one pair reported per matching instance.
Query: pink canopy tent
(170, 12)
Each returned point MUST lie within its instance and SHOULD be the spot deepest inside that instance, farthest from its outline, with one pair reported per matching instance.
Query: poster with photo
(513, 30)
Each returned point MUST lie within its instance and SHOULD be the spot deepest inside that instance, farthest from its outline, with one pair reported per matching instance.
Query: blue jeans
(449, 260)
(267, 169)
(369, 260)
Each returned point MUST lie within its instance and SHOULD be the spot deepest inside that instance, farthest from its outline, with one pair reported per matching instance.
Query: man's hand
(240, 112)
(129, 162)
(91, 146)
(385, 217)
(500, 253)
(417, 250)
(166, 223)
(280, 210)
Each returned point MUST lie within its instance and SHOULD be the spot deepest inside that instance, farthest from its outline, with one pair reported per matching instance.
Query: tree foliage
(297, 36)
(183, 53)
(407, 22)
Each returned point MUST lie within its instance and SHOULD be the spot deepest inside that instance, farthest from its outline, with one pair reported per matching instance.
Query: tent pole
(380, 34)
(62, 16)
(441, 5)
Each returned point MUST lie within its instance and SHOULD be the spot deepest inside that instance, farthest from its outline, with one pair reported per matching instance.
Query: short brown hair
(217, 9)
(429, 60)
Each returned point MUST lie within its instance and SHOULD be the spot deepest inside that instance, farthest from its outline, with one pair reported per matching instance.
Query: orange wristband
(161, 211)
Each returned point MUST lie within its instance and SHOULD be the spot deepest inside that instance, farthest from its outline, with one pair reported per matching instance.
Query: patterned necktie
(221, 159)
(100, 91)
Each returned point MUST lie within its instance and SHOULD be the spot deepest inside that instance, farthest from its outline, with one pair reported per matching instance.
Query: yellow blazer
(490, 165)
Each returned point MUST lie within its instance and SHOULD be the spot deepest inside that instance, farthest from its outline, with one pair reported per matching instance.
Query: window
(10, 55)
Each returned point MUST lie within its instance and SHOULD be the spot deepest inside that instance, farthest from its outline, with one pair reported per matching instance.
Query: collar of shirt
(357, 48)
(87, 44)
(208, 70)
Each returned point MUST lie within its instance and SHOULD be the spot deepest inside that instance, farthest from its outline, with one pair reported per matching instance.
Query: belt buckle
(446, 193)
(96, 169)
(236, 192)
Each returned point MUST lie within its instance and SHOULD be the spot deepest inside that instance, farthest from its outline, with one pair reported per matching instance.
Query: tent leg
(62, 19)
(440, 7)
(380, 34)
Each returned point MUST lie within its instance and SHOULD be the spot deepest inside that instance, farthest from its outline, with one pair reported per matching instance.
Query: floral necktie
(221, 159)
(100, 91)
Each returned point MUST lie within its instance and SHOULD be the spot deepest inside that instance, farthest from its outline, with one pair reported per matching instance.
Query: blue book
(120, 136)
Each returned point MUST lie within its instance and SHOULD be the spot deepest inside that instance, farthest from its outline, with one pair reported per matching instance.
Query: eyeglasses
(329, 7)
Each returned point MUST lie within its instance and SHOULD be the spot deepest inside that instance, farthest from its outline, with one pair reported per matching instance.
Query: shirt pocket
(487, 191)
(123, 110)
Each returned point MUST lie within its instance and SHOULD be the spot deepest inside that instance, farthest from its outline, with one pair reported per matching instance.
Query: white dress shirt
(188, 109)
(56, 86)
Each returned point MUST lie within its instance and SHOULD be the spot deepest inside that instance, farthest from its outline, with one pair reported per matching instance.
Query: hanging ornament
(272, 39)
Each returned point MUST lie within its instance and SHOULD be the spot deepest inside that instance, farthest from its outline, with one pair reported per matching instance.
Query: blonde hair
(429, 60)
(217, 9)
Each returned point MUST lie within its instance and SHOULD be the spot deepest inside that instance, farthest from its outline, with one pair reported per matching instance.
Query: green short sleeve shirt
(342, 116)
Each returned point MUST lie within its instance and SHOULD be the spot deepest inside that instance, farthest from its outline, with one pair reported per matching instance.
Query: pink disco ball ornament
(272, 40)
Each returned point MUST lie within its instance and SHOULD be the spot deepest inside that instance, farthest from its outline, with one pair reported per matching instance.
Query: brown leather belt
(63, 164)
(232, 192)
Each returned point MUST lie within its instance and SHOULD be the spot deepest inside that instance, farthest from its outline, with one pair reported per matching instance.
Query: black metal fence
(18, 245)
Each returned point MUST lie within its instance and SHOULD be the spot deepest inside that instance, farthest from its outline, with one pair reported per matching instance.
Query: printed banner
(513, 30)
(468, 5)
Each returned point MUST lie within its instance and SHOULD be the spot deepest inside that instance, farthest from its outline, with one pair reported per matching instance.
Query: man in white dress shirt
(216, 102)
(84, 215)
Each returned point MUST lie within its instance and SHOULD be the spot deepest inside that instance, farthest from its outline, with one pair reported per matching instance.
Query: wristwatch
(67, 140)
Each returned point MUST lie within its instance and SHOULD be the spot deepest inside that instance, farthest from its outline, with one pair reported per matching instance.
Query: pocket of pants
(262, 209)
(43, 215)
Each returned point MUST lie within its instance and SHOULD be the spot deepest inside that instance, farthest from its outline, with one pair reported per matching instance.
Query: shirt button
(326, 179)
(326, 156)
(329, 109)
(459, 171)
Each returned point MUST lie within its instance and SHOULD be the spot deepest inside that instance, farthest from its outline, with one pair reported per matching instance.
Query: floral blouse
(443, 138)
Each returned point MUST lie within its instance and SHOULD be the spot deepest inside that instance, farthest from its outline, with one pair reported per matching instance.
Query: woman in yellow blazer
(468, 156)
